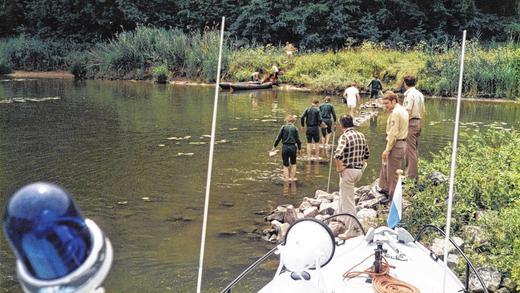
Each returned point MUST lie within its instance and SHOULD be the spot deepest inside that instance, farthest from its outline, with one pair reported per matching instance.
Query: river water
(107, 143)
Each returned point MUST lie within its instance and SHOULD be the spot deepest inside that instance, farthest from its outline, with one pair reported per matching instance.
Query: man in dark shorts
(327, 114)
(311, 120)
(375, 86)
(291, 144)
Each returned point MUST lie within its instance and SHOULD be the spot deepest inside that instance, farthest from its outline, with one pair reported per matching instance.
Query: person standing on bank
(351, 156)
(311, 120)
(291, 145)
(328, 115)
(414, 104)
(396, 134)
(352, 98)
(375, 86)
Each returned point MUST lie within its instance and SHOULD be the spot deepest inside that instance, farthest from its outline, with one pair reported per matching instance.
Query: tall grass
(34, 54)
(490, 73)
(132, 53)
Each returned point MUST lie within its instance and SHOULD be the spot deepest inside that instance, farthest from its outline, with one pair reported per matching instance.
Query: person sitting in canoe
(255, 76)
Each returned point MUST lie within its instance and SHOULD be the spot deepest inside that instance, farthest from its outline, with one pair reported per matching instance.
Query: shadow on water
(113, 143)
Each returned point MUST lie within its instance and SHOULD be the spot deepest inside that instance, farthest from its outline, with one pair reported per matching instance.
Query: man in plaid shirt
(351, 155)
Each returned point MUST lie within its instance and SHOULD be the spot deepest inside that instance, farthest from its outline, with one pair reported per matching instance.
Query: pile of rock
(321, 206)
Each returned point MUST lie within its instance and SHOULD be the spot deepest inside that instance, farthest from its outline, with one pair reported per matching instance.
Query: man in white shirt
(352, 98)
(414, 104)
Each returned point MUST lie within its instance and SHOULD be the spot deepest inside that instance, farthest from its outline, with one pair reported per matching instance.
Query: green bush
(487, 194)
(5, 67)
(160, 73)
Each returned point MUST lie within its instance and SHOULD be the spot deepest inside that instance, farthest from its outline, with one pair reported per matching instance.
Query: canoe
(251, 86)
(227, 85)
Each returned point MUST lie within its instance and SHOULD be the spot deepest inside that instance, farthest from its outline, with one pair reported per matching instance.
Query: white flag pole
(453, 160)
(210, 160)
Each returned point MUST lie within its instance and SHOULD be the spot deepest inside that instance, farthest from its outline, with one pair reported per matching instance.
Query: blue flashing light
(46, 231)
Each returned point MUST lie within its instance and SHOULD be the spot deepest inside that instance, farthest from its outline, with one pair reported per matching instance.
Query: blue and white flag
(395, 214)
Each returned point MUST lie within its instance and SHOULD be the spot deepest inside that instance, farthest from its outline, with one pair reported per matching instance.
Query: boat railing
(273, 250)
(469, 265)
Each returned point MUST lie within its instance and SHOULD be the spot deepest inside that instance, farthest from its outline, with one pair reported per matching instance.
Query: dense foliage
(487, 195)
(308, 24)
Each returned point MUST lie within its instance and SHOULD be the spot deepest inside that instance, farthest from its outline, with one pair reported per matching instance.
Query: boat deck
(419, 270)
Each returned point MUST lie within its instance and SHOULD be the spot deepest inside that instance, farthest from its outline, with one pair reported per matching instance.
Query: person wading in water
(328, 114)
(291, 145)
(311, 120)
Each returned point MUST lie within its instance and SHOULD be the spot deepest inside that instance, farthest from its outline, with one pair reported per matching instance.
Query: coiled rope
(382, 281)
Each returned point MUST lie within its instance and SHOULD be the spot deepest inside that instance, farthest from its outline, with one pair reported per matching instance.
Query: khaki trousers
(347, 180)
(387, 176)
(412, 148)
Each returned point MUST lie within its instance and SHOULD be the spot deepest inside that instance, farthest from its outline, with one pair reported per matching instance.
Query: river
(107, 143)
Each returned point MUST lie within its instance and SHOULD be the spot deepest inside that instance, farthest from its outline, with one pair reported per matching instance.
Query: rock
(226, 204)
(366, 215)
(490, 276)
(472, 234)
(503, 290)
(508, 284)
(283, 230)
(227, 234)
(272, 238)
(310, 212)
(437, 178)
(305, 205)
(291, 215)
(321, 217)
(438, 246)
(337, 227)
(300, 216)
(122, 203)
(363, 194)
(315, 202)
(453, 260)
(277, 214)
(323, 194)
(260, 213)
(324, 200)
(370, 204)
(146, 199)
(328, 208)
(277, 226)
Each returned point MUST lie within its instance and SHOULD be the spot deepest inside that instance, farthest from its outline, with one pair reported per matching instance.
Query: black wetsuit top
(289, 135)
(313, 117)
(375, 85)
(327, 111)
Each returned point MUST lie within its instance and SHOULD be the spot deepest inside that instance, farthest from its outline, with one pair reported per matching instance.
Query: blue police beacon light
(57, 249)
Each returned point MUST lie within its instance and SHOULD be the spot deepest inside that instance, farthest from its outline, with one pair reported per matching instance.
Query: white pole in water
(453, 159)
(210, 160)
(331, 158)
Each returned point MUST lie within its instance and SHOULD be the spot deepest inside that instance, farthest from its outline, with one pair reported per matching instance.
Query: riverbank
(491, 71)
(18, 74)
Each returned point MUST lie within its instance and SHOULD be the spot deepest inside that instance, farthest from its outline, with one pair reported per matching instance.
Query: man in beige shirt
(414, 104)
(396, 134)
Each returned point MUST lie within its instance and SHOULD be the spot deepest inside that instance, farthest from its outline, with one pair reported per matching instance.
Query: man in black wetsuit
(291, 144)
(311, 120)
(327, 114)
(375, 86)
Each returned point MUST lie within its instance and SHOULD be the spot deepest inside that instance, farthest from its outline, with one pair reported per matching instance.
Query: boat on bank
(250, 86)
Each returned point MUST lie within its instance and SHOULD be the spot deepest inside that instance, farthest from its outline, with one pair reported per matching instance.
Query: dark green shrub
(487, 194)
(160, 73)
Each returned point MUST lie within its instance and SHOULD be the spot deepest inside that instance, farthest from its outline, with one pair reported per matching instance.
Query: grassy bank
(487, 195)
(493, 73)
